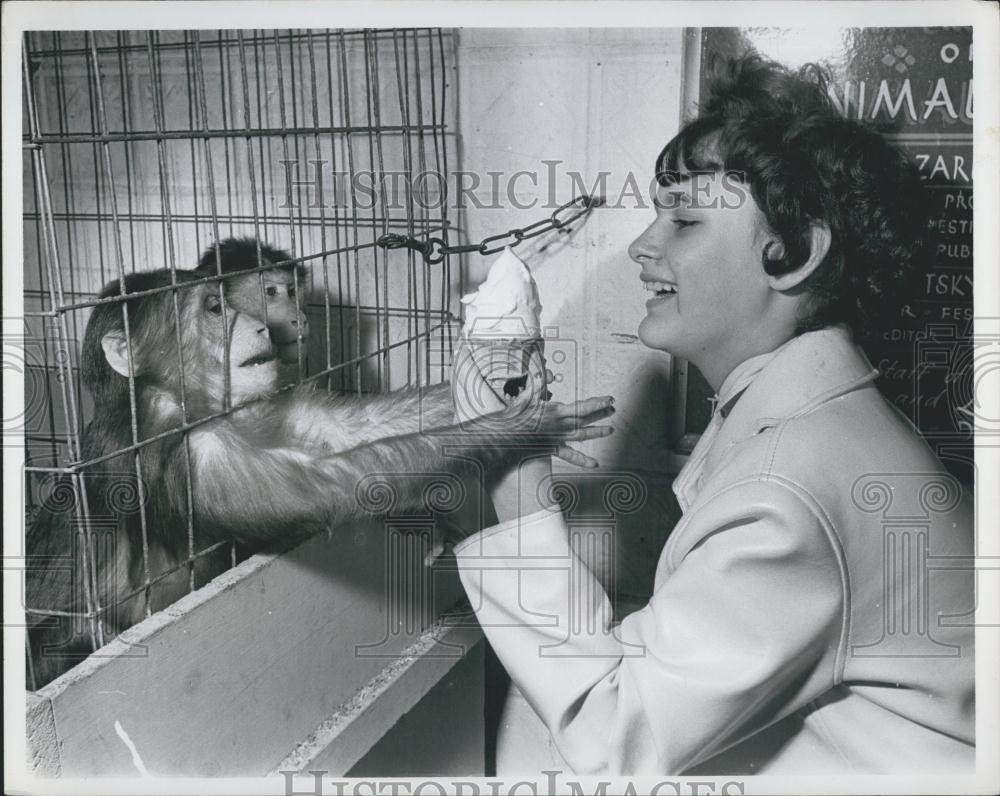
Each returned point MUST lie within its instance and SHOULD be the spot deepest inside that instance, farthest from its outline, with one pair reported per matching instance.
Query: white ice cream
(506, 304)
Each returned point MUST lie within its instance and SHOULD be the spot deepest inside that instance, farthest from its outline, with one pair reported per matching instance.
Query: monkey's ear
(116, 352)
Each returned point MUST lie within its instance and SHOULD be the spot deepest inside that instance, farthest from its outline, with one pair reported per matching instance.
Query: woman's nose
(643, 249)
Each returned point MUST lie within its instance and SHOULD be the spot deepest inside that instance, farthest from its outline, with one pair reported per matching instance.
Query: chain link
(434, 250)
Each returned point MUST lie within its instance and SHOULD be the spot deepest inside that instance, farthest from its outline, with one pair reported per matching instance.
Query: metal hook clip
(393, 241)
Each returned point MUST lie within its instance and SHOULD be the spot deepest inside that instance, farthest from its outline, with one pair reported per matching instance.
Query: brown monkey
(271, 471)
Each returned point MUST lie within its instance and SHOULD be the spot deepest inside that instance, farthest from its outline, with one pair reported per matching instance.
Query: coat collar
(741, 377)
(808, 370)
(767, 389)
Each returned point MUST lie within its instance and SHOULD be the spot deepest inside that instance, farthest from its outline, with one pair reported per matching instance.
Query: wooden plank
(353, 730)
(443, 735)
(40, 737)
(231, 677)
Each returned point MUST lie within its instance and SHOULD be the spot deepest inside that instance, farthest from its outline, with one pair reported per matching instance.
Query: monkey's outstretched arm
(247, 492)
(323, 421)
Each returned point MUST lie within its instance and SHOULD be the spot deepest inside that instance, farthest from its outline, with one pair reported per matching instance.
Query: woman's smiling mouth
(663, 290)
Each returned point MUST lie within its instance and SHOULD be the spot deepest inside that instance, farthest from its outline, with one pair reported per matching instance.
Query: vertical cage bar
(120, 260)
(251, 168)
(321, 198)
(210, 171)
(402, 88)
(127, 147)
(425, 306)
(225, 78)
(43, 264)
(341, 340)
(296, 87)
(156, 82)
(366, 53)
(375, 153)
(346, 111)
(192, 124)
(247, 123)
(98, 174)
(441, 169)
(260, 66)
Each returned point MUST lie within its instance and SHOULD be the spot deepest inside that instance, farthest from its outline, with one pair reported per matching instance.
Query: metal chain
(434, 249)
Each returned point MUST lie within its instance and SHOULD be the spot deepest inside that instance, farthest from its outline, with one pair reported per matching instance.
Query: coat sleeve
(745, 629)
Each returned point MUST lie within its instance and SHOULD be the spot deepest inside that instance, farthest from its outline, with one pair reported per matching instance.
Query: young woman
(796, 624)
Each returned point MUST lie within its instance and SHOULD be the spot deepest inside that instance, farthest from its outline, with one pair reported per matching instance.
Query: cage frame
(59, 298)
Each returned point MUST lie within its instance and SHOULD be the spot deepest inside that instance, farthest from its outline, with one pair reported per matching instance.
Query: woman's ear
(116, 352)
(819, 244)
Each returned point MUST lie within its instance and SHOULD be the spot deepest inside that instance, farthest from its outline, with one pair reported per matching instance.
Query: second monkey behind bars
(262, 468)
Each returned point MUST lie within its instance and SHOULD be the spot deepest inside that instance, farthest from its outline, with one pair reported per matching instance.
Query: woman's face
(701, 262)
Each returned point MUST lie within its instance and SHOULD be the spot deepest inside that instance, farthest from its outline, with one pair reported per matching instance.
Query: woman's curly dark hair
(803, 162)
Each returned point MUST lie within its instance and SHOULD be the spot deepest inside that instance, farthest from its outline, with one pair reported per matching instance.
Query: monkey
(274, 296)
(270, 469)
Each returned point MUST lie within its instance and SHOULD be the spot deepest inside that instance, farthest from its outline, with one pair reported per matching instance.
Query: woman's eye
(683, 223)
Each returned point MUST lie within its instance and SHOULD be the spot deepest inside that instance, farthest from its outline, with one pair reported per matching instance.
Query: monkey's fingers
(588, 406)
(582, 413)
(601, 414)
(590, 432)
(573, 456)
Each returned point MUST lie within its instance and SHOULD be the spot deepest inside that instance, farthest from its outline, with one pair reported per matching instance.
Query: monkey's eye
(271, 291)
(291, 291)
(213, 305)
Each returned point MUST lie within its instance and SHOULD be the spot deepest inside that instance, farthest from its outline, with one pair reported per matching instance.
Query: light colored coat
(811, 610)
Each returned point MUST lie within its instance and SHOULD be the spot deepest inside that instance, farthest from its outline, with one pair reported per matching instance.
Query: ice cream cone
(505, 363)
(502, 326)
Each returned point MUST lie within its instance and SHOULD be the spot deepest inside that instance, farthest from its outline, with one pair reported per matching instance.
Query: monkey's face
(221, 348)
(272, 298)
(253, 362)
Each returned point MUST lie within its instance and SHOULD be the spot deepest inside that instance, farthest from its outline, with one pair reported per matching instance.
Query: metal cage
(143, 149)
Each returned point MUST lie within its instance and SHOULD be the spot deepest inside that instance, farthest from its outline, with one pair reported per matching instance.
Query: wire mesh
(142, 149)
